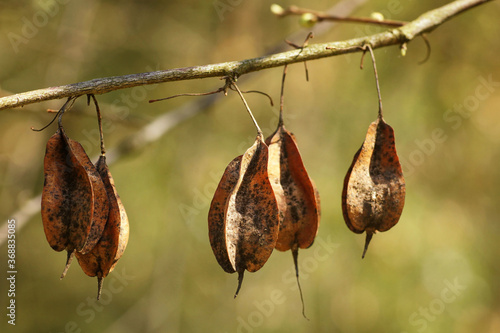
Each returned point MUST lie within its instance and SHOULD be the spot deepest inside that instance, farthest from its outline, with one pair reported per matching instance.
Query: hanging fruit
(298, 199)
(243, 219)
(74, 205)
(101, 260)
(374, 190)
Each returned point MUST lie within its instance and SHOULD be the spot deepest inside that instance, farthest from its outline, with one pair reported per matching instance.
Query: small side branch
(318, 16)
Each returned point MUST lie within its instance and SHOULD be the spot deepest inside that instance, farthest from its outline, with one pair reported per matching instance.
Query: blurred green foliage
(436, 271)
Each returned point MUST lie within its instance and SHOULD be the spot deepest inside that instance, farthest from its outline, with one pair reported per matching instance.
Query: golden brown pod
(101, 260)
(374, 190)
(74, 204)
(243, 219)
(290, 180)
(296, 194)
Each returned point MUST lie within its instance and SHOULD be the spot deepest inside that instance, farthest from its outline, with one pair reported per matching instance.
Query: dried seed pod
(103, 257)
(243, 219)
(290, 181)
(74, 201)
(374, 188)
(297, 196)
(100, 198)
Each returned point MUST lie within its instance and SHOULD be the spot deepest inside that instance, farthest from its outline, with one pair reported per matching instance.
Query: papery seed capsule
(101, 260)
(243, 219)
(374, 190)
(74, 204)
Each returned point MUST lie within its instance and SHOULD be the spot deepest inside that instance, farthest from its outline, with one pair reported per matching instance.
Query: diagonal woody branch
(424, 23)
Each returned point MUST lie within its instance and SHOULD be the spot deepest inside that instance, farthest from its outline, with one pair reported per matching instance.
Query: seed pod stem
(295, 254)
(58, 114)
(365, 47)
(246, 106)
(69, 103)
(99, 120)
(280, 121)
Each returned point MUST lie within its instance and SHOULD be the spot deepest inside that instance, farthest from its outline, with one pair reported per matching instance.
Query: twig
(322, 16)
(425, 23)
(223, 89)
(306, 42)
(260, 93)
(428, 45)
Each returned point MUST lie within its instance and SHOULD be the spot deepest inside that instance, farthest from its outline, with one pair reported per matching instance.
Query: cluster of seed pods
(266, 199)
(81, 210)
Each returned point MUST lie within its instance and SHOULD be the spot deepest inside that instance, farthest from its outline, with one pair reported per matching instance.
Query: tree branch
(425, 23)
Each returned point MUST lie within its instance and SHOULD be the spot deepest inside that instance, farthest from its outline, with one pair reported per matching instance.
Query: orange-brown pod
(104, 256)
(289, 178)
(297, 196)
(374, 190)
(74, 204)
(243, 219)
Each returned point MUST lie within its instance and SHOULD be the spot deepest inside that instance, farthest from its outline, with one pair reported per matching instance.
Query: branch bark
(423, 24)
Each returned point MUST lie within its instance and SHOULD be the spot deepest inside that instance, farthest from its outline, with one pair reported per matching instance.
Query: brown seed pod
(292, 184)
(297, 196)
(243, 220)
(74, 201)
(103, 257)
(288, 176)
(373, 196)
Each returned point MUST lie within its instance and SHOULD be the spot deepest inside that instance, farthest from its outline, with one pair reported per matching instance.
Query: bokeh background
(437, 270)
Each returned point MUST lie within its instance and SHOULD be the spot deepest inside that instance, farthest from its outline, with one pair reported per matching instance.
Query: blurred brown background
(436, 271)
